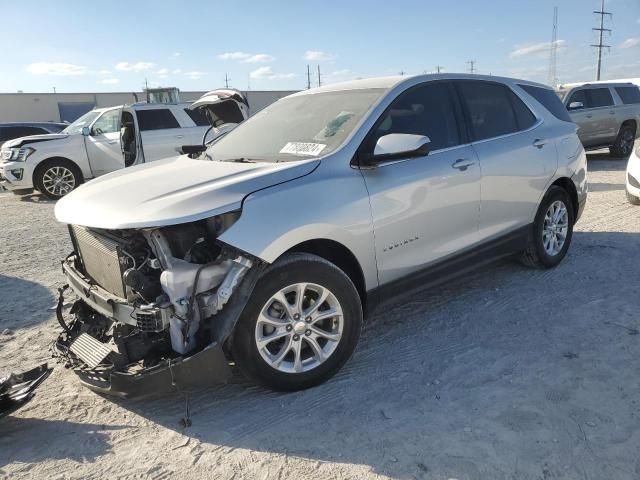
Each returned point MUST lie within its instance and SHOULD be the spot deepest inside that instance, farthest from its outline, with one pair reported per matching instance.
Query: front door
(423, 208)
(103, 143)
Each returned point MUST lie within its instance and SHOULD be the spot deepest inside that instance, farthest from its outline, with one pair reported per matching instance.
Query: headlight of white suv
(19, 154)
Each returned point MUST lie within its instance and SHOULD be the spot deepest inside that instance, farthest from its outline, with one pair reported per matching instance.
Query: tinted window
(156, 119)
(524, 117)
(600, 97)
(549, 100)
(424, 110)
(198, 117)
(629, 95)
(579, 96)
(9, 133)
(489, 107)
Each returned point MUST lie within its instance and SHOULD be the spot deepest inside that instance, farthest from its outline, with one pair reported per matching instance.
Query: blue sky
(113, 46)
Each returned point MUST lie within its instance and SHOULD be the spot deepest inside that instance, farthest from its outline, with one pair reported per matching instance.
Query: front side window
(109, 122)
(84, 121)
(426, 110)
(297, 127)
(600, 97)
(490, 109)
(156, 119)
(629, 95)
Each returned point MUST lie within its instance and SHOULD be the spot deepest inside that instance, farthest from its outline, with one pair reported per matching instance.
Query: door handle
(539, 143)
(612, 113)
(179, 136)
(462, 164)
(111, 142)
(589, 116)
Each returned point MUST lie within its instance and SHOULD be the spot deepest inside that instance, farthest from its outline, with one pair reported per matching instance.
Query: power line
(472, 66)
(553, 51)
(601, 31)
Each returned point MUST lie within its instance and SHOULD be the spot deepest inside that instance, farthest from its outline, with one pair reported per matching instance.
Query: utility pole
(308, 77)
(472, 66)
(54, 89)
(553, 51)
(601, 31)
(226, 80)
(319, 77)
(439, 68)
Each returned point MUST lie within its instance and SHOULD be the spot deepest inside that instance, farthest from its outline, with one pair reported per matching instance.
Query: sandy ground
(506, 374)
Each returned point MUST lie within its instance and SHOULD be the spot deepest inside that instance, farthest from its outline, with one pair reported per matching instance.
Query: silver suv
(267, 249)
(608, 114)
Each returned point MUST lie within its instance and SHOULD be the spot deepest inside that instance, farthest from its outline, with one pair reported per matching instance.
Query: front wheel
(300, 326)
(56, 178)
(552, 230)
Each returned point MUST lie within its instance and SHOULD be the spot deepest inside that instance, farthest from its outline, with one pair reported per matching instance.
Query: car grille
(102, 259)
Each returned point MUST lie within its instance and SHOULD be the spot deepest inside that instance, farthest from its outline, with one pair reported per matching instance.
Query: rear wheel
(300, 326)
(624, 142)
(552, 230)
(56, 178)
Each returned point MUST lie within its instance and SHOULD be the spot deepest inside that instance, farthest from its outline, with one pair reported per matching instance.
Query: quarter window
(426, 110)
(524, 117)
(490, 110)
(156, 119)
(549, 100)
(629, 95)
(600, 97)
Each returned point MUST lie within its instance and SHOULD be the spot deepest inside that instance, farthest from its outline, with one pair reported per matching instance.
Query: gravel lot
(506, 374)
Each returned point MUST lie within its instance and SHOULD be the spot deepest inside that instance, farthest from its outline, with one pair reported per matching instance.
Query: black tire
(291, 269)
(45, 167)
(623, 146)
(535, 255)
(632, 199)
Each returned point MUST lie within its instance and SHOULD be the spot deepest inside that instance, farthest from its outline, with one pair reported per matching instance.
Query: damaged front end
(155, 306)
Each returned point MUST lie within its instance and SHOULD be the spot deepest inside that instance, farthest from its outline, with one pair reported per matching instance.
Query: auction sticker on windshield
(303, 148)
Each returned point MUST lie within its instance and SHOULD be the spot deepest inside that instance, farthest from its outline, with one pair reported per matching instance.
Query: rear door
(103, 143)
(603, 115)
(516, 151)
(423, 208)
(160, 132)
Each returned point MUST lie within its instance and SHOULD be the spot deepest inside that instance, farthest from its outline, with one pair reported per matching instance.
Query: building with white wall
(60, 107)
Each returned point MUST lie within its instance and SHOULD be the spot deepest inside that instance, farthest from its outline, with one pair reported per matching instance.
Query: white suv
(108, 139)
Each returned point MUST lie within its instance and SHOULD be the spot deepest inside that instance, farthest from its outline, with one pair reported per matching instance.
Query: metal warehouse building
(60, 107)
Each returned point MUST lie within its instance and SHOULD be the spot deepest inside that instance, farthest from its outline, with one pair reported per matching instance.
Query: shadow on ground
(23, 302)
(454, 380)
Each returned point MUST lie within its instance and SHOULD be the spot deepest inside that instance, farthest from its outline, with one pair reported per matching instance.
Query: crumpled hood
(18, 142)
(172, 191)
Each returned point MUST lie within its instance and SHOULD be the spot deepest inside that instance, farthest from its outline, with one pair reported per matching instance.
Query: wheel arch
(568, 185)
(339, 255)
(630, 122)
(43, 164)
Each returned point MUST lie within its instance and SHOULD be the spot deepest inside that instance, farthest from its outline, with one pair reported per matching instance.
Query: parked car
(11, 130)
(633, 177)
(608, 114)
(108, 139)
(268, 248)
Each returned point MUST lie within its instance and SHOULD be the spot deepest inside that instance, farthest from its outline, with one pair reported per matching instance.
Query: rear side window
(524, 117)
(490, 110)
(156, 119)
(426, 109)
(198, 117)
(549, 100)
(629, 95)
(600, 97)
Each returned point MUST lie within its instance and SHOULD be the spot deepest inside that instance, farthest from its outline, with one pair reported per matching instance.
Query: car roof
(567, 86)
(32, 124)
(387, 83)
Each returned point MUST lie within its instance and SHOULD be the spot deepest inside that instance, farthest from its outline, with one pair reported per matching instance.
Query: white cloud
(234, 56)
(177, 54)
(535, 48)
(176, 71)
(318, 56)
(194, 75)
(268, 74)
(630, 42)
(259, 58)
(104, 72)
(163, 71)
(340, 73)
(109, 81)
(60, 69)
(134, 67)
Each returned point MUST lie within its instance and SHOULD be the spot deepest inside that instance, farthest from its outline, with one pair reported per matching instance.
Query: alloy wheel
(299, 328)
(555, 228)
(626, 142)
(58, 181)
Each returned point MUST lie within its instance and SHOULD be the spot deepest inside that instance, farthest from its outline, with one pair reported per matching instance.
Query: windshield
(84, 121)
(297, 128)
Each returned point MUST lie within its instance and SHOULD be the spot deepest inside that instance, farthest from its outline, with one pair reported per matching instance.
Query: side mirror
(396, 146)
(86, 131)
(576, 105)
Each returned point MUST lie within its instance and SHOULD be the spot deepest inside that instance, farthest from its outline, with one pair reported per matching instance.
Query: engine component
(141, 284)
(212, 303)
(90, 350)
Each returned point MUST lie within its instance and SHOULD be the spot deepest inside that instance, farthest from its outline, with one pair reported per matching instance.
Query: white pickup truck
(108, 139)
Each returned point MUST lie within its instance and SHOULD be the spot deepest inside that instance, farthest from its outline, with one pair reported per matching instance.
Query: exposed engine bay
(149, 300)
